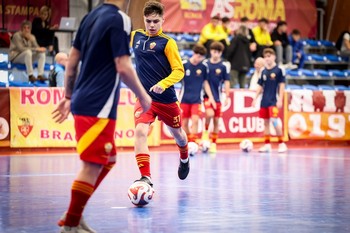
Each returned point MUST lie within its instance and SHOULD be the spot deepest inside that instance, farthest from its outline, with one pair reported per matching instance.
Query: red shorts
(169, 113)
(269, 112)
(208, 105)
(189, 110)
(95, 139)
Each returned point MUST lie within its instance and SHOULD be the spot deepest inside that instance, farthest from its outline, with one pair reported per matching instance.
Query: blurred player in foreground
(102, 46)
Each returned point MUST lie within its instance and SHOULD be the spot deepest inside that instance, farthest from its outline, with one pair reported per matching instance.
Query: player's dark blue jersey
(157, 61)
(218, 74)
(103, 35)
(192, 84)
(270, 80)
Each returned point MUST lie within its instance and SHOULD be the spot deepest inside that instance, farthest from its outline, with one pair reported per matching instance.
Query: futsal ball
(205, 145)
(246, 145)
(140, 193)
(192, 148)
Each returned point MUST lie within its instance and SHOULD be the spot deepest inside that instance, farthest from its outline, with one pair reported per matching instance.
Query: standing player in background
(196, 77)
(219, 73)
(159, 67)
(102, 46)
(272, 80)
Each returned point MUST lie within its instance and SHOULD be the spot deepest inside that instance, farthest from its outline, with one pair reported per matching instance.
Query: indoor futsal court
(304, 190)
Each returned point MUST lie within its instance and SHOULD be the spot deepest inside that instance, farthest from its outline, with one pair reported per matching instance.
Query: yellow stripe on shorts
(89, 137)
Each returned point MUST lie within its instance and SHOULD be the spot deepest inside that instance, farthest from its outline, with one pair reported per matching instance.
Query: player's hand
(212, 102)
(227, 101)
(253, 103)
(60, 114)
(279, 103)
(157, 89)
(145, 102)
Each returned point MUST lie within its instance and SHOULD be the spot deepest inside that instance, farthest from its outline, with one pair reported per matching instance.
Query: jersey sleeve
(281, 76)
(261, 80)
(120, 36)
(177, 69)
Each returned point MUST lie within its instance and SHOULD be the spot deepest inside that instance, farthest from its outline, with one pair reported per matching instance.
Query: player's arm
(258, 92)
(129, 77)
(177, 73)
(280, 95)
(207, 90)
(227, 91)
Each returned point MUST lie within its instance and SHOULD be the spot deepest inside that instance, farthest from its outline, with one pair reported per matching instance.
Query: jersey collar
(158, 33)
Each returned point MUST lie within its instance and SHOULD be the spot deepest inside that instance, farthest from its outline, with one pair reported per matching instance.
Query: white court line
(39, 175)
(119, 207)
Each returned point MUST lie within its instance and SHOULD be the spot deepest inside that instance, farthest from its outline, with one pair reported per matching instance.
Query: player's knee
(274, 122)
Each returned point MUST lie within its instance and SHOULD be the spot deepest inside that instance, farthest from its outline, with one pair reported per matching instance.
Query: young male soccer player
(219, 73)
(159, 67)
(196, 75)
(94, 99)
(272, 80)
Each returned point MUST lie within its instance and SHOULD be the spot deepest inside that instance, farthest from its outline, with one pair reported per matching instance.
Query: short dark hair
(200, 49)
(216, 45)
(269, 51)
(244, 19)
(225, 19)
(296, 32)
(263, 20)
(216, 17)
(153, 7)
(281, 23)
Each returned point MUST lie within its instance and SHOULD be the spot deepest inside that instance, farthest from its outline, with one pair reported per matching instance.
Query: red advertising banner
(4, 117)
(191, 16)
(239, 120)
(15, 11)
(321, 115)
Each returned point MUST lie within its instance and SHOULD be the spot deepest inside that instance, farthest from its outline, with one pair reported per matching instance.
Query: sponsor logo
(25, 124)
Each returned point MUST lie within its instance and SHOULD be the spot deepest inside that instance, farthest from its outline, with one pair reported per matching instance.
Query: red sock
(214, 137)
(105, 170)
(81, 192)
(143, 164)
(183, 151)
(206, 126)
(267, 139)
(280, 139)
(190, 137)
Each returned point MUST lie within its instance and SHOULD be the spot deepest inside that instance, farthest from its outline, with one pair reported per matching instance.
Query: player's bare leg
(267, 146)
(282, 147)
(181, 141)
(142, 152)
(214, 135)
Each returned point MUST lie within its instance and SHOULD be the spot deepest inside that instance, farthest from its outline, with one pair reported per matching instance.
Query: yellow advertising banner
(32, 124)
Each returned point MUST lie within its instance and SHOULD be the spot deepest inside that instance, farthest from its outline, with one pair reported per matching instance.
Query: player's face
(215, 54)
(153, 23)
(296, 37)
(198, 57)
(269, 58)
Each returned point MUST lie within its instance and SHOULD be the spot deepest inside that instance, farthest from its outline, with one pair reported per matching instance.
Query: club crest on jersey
(188, 72)
(218, 71)
(152, 45)
(198, 72)
(273, 75)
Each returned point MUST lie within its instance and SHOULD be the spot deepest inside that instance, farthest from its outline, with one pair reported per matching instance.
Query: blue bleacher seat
(310, 87)
(325, 87)
(18, 66)
(294, 73)
(337, 73)
(315, 57)
(293, 87)
(341, 88)
(41, 84)
(2, 84)
(313, 42)
(327, 43)
(307, 73)
(20, 84)
(334, 58)
(322, 73)
(188, 38)
(251, 71)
